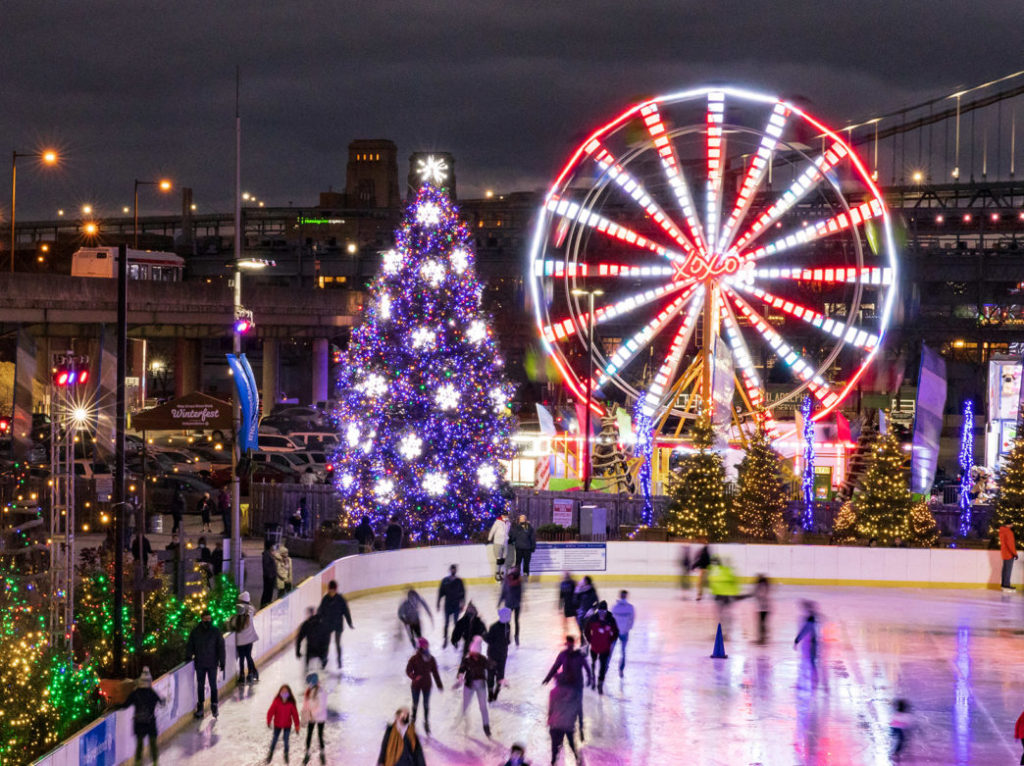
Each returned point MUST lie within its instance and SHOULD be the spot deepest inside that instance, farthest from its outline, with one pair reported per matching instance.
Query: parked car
(314, 440)
(185, 462)
(261, 474)
(161, 489)
(157, 463)
(275, 443)
(308, 416)
(217, 458)
(307, 459)
(285, 461)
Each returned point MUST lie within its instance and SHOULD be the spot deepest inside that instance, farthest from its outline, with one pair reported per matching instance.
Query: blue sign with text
(96, 747)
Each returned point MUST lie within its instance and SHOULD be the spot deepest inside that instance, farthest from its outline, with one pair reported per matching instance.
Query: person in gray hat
(498, 637)
(241, 623)
(145, 702)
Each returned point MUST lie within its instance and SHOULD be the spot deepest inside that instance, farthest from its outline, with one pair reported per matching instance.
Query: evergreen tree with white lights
(698, 505)
(883, 504)
(1008, 506)
(424, 416)
(761, 497)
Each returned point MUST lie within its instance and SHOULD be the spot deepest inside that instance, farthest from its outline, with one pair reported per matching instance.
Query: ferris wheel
(736, 253)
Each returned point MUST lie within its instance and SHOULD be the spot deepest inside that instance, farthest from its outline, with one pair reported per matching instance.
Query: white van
(275, 443)
(319, 441)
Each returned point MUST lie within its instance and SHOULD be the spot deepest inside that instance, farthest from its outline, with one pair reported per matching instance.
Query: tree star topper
(432, 170)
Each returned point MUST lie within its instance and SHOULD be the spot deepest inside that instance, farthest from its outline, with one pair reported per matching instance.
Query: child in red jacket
(282, 715)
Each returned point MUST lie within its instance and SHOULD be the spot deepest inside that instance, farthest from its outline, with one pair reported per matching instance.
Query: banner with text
(570, 557)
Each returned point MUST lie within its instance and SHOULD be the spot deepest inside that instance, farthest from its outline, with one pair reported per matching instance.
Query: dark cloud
(140, 88)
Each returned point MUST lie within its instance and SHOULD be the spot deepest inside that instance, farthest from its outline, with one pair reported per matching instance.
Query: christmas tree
(883, 505)
(761, 497)
(423, 412)
(1008, 506)
(698, 508)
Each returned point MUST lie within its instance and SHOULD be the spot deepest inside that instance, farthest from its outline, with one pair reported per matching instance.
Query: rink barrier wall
(627, 562)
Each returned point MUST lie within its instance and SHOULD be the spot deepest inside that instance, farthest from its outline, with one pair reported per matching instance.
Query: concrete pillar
(186, 366)
(270, 386)
(321, 365)
(137, 350)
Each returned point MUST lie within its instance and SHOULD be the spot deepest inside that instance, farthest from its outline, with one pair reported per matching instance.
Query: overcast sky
(137, 89)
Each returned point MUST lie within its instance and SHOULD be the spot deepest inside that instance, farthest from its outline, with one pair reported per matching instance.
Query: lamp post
(48, 157)
(163, 184)
(591, 294)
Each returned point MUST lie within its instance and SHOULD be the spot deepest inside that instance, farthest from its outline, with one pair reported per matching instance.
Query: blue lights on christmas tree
(966, 462)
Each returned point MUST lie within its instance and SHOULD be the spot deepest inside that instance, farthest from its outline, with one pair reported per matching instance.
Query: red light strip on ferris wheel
(624, 353)
(715, 151)
(572, 211)
(852, 335)
(839, 222)
(756, 173)
(811, 177)
(556, 268)
(609, 164)
(670, 161)
(867, 275)
(748, 373)
(815, 383)
(668, 367)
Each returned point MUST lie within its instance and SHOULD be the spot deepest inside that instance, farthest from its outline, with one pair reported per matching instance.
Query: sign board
(195, 410)
(96, 747)
(570, 557)
(561, 512)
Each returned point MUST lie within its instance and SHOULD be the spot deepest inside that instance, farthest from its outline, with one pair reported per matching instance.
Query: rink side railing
(110, 739)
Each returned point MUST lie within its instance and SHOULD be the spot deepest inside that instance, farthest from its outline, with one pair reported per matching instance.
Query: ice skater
(315, 633)
(602, 632)
(571, 670)
(498, 639)
(314, 714)
(1018, 733)
(563, 711)
(763, 598)
(453, 591)
(725, 588)
(241, 624)
(145, 702)
(684, 563)
(409, 615)
(809, 636)
(400, 747)
(701, 563)
(334, 611)
(585, 599)
(567, 600)
(205, 647)
(512, 596)
(624, 614)
(524, 540)
(497, 543)
(467, 627)
(281, 716)
(516, 756)
(473, 678)
(421, 668)
(900, 727)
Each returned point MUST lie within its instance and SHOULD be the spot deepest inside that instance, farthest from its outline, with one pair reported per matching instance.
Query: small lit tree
(883, 504)
(1008, 506)
(761, 497)
(698, 506)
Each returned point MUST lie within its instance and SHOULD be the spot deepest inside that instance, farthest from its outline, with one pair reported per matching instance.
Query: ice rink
(956, 655)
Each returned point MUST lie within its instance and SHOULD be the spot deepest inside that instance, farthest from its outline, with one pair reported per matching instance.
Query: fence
(275, 503)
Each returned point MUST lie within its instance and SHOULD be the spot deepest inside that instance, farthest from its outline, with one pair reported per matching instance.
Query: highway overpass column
(321, 347)
(271, 381)
(186, 366)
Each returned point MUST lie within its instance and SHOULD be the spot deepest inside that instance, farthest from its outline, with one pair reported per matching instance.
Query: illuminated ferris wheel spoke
(674, 172)
(813, 175)
(813, 231)
(741, 355)
(851, 335)
(667, 371)
(756, 173)
(574, 212)
(866, 275)
(715, 157)
(564, 328)
(800, 367)
(610, 165)
(631, 347)
(556, 268)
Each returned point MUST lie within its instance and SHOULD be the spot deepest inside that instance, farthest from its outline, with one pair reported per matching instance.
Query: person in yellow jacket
(725, 588)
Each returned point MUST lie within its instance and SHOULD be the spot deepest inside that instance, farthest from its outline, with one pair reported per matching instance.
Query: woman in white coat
(497, 545)
(245, 636)
(314, 713)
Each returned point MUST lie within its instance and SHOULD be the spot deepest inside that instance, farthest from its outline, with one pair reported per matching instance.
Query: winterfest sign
(195, 410)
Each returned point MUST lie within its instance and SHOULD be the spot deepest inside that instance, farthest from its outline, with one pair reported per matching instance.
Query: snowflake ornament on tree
(423, 400)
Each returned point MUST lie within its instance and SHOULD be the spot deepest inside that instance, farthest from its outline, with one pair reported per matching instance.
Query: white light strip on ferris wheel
(811, 177)
(566, 327)
(556, 268)
(839, 222)
(715, 152)
(609, 164)
(815, 383)
(852, 335)
(756, 173)
(668, 368)
(670, 162)
(867, 275)
(572, 211)
(630, 348)
(741, 355)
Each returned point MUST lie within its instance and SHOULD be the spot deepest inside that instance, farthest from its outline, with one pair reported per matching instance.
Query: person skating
(763, 598)
(317, 637)
(602, 632)
(364, 535)
(702, 563)
(725, 588)
(205, 647)
(205, 508)
(282, 715)
(512, 595)
(269, 573)
(335, 612)
(145, 702)
(516, 756)
(314, 714)
(1018, 733)
(684, 564)
(585, 599)
(453, 591)
(245, 636)
(497, 544)
(624, 614)
(422, 671)
(567, 600)
(524, 541)
(400, 747)
(900, 725)
(1008, 552)
(498, 638)
(563, 712)
(409, 615)
(468, 627)
(283, 565)
(473, 677)
(571, 670)
(809, 636)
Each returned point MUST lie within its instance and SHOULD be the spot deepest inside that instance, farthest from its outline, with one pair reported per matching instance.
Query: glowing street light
(163, 185)
(47, 157)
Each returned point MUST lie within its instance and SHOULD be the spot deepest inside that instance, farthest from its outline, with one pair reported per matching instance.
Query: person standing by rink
(473, 677)
(282, 714)
(317, 637)
(241, 624)
(567, 600)
(334, 610)
(602, 632)
(269, 564)
(524, 540)
(512, 595)
(497, 543)
(421, 668)
(468, 627)
(314, 714)
(205, 646)
(624, 615)
(453, 591)
(762, 595)
(145, 701)
(498, 638)
(205, 508)
(400, 747)
(571, 670)
(1008, 551)
(409, 615)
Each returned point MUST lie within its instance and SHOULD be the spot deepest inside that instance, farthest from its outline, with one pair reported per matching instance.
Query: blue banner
(931, 403)
(249, 401)
(96, 746)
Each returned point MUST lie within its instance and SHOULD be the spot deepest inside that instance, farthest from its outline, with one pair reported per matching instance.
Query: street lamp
(47, 157)
(591, 294)
(163, 184)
